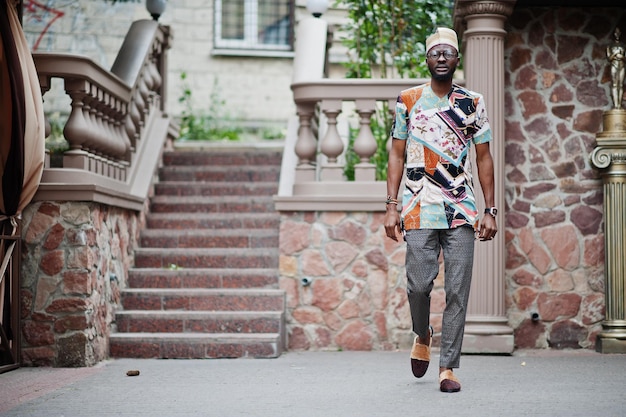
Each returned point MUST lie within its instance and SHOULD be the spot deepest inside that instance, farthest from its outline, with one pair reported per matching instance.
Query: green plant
(273, 133)
(213, 125)
(55, 143)
(379, 159)
(389, 35)
(386, 38)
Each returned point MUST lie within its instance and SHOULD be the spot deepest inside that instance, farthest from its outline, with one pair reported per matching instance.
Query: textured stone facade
(75, 258)
(556, 90)
(355, 297)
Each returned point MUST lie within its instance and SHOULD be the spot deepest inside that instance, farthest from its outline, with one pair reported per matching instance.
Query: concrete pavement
(324, 384)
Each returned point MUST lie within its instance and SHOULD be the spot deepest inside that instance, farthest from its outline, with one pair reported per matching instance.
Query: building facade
(547, 103)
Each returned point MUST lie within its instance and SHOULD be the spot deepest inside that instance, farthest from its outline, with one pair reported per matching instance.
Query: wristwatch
(492, 210)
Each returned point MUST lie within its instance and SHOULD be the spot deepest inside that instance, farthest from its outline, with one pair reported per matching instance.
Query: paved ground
(324, 384)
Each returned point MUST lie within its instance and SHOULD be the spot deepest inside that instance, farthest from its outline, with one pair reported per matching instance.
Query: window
(254, 24)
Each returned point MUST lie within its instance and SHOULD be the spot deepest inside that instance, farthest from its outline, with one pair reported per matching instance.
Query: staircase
(205, 281)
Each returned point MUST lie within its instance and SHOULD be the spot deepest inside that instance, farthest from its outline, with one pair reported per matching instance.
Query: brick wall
(75, 258)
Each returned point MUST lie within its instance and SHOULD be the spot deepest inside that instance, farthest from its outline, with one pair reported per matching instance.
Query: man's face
(442, 61)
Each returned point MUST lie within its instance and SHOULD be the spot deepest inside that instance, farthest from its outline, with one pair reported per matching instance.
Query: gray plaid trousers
(422, 267)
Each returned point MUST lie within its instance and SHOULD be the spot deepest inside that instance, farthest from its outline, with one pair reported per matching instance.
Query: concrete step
(196, 299)
(213, 221)
(205, 283)
(181, 188)
(130, 321)
(219, 173)
(203, 278)
(206, 258)
(195, 345)
(220, 157)
(215, 238)
(202, 204)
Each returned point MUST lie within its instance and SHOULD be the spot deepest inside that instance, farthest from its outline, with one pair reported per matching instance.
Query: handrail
(72, 66)
(117, 123)
(352, 89)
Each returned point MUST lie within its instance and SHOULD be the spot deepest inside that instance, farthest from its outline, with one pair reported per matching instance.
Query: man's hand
(488, 228)
(392, 222)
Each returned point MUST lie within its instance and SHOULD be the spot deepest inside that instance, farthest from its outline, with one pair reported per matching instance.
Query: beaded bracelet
(391, 200)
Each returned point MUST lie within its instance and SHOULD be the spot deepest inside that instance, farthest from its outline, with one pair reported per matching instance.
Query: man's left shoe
(448, 382)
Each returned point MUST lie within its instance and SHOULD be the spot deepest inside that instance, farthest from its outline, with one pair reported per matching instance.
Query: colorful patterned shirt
(439, 191)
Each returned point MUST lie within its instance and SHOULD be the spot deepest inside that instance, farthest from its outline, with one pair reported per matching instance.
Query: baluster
(99, 144)
(117, 118)
(365, 144)
(111, 118)
(108, 115)
(135, 115)
(114, 145)
(105, 143)
(146, 74)
(137, 109)
(76, 130)
(129, 127)
(306, 145)
(156, 76)
(151, 82)
(332, 145)
(144, 93)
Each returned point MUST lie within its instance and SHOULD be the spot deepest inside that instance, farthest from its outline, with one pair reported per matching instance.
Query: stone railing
(313, 166)
(117, 125)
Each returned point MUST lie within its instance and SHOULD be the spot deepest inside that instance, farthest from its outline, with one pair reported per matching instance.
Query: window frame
(250, 42)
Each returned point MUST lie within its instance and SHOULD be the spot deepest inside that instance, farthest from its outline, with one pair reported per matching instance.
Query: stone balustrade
(324, 108)
(109, 109)
(96, 128)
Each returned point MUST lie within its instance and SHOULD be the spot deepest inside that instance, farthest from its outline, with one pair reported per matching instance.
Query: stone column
(610, 157)
(308, 65)
(487, 329)
(310, 50)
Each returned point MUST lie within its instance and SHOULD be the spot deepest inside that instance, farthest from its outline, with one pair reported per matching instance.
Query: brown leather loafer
(420, 356)
(448, 382)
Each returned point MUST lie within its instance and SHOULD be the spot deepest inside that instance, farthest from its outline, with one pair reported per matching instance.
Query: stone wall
(355, 297)
(556, 90)
(75, 259)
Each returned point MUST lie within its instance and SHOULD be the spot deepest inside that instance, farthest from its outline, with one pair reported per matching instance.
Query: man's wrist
(492, 211)
(391, 200)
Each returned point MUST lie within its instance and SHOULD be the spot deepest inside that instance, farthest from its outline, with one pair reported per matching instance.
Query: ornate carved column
(481, 24)
(610, 157)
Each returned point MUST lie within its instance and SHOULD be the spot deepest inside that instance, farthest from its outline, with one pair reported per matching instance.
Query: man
(435, 125)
